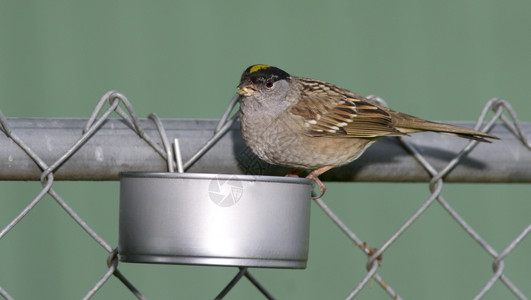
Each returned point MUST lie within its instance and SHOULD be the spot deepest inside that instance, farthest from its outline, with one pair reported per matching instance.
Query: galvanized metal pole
(115, 148)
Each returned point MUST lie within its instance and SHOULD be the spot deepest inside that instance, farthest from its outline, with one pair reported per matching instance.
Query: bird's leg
(294, 173)
(314, 175)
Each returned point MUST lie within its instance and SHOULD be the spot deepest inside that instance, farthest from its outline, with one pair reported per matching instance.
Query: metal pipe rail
(115, 148)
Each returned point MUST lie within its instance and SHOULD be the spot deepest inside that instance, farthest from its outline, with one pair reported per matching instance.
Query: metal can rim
(209, 176)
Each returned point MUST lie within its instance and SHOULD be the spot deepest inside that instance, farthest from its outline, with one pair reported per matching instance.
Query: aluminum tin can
(214, 219)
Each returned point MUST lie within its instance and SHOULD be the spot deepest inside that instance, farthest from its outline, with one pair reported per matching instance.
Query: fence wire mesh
(119, 104)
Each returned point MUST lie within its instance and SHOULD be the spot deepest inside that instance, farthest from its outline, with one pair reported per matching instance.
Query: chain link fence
(162, 148)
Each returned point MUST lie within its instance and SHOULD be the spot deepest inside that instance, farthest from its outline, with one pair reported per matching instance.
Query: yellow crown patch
(256, 68)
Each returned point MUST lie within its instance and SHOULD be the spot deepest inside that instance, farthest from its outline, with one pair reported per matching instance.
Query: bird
(308, 124)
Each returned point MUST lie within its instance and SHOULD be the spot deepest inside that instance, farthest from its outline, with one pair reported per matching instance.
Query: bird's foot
(294, 173)
(314, 175)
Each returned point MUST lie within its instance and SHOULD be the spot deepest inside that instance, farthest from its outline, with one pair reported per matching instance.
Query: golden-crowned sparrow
(303, 123)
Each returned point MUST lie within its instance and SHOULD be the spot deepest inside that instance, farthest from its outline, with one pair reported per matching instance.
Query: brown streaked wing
(368, 121)
(331, 111)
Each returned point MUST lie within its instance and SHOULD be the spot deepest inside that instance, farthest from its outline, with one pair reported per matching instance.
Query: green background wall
(441, 60)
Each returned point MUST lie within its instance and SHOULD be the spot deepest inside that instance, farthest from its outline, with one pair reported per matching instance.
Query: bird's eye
(269, 84)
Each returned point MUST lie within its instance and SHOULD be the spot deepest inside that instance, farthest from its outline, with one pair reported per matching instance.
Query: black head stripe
(262, 73)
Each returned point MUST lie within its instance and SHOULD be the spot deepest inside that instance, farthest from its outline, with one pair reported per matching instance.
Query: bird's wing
(328, 110)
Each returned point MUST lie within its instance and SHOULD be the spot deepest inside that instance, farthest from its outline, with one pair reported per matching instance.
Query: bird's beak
(246, 89)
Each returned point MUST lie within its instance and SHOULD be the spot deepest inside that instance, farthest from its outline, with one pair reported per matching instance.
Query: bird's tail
(409, 124)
